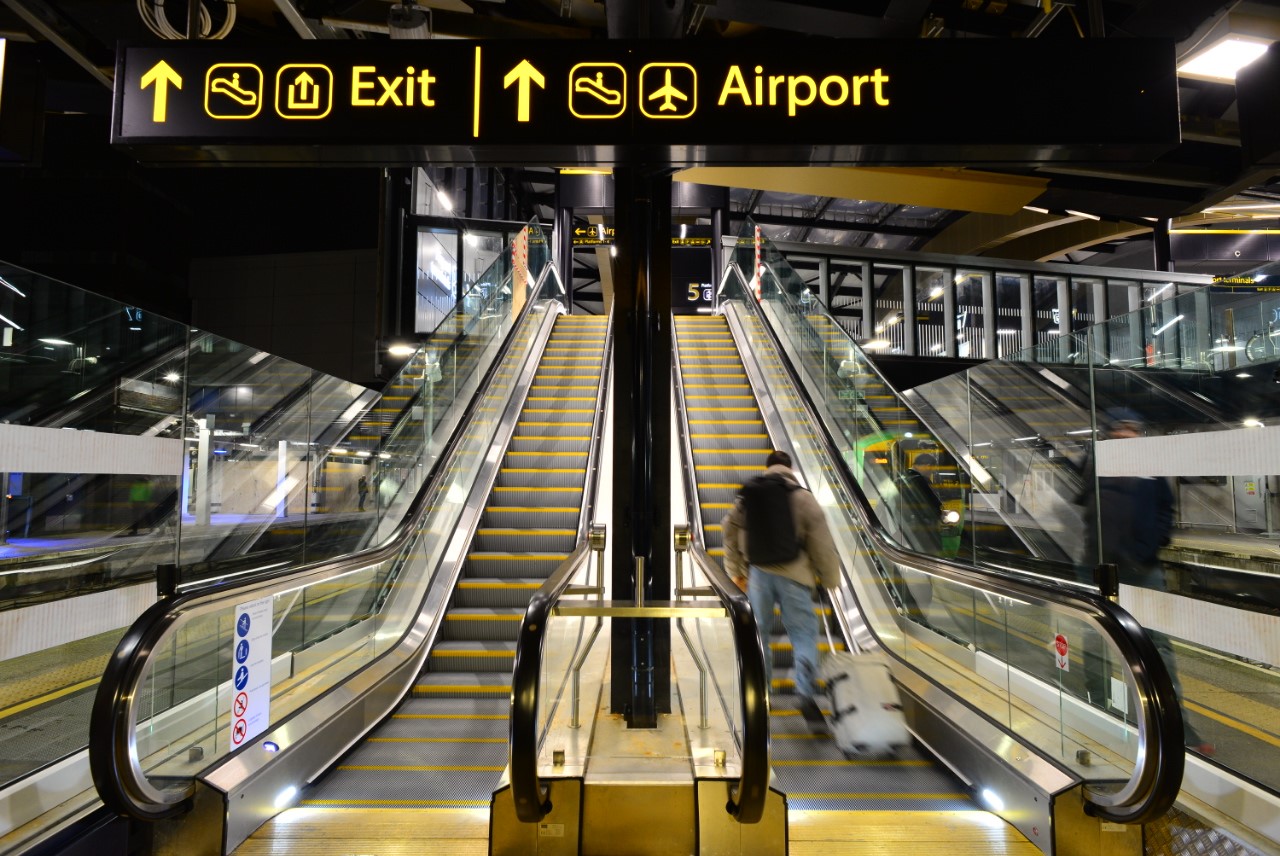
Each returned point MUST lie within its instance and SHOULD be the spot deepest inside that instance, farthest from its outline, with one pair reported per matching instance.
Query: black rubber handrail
(1160, 760)
(110, 734)
(747, 798)
(531, 796)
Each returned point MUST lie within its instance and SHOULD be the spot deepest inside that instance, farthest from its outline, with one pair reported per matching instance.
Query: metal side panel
(1042, 801)
(559, 833)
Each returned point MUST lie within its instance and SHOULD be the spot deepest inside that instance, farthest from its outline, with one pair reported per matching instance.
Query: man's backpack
(770, 525)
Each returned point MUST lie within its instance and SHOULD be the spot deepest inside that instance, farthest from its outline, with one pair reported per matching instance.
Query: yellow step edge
(525, 531)
(516, 617)
(498, 586)
(504, 509)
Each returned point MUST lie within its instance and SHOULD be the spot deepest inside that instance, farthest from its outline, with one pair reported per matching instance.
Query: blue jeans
(796, 601)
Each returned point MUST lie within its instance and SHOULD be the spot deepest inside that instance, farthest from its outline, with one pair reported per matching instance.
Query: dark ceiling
(78, 38)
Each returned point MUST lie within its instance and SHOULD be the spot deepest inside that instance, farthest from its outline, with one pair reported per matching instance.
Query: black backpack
(771, 528)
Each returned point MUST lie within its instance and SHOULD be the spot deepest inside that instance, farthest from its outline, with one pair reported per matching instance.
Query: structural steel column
(824, 281)
(1027, 311)
(641, 677)
(1065, 344)
(564, 252)
(909, 310)
(868, 301)
(990, 317)
(949, 313)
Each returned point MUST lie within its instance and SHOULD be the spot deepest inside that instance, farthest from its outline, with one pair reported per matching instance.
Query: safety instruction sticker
(251, 671)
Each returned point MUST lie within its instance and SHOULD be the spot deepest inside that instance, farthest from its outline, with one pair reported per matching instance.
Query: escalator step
(486, 624)
(524, 540)
(508, 566)
(473, 656)
(462, 685)
(495, 592)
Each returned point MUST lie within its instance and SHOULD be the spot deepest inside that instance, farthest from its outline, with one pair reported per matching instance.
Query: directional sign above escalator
(685, 102)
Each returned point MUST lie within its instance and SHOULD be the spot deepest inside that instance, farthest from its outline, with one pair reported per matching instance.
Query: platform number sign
(250, 671)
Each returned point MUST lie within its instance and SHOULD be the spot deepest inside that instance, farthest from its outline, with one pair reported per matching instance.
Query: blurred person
(1127, 520)
(779, 548)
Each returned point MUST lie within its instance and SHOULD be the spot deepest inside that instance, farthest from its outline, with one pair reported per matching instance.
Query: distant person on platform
(778, 547)
(1127, 520)
(362, 489)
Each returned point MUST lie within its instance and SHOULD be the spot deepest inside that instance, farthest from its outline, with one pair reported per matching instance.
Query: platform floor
(426, 832)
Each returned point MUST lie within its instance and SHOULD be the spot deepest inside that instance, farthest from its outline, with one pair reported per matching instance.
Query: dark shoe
(813, 715)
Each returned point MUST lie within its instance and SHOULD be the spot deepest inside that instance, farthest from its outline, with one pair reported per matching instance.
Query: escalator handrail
(530, 795)
(112, 742)
(1160, 759)
(747, 798)
(591, 485)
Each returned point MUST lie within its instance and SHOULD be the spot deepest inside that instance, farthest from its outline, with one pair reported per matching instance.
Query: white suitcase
(866, 711)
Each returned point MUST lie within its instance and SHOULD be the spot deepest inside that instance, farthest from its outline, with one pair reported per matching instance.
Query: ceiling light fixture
(1083, 214)
(1234, 40)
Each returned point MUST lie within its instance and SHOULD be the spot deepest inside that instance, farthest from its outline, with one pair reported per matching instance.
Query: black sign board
(680, 102)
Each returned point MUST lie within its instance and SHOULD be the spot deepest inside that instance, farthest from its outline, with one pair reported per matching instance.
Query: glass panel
(187, 426)
(436, 280)
(322, 631)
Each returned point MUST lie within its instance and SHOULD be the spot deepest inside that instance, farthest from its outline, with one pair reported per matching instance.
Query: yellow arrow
(525, 73)
(161, 74)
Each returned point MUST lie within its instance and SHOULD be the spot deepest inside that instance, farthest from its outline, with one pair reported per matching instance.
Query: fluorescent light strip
(1167, 325)
(4, 281)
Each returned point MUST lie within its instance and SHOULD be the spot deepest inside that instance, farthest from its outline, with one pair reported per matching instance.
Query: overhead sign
(570, 102)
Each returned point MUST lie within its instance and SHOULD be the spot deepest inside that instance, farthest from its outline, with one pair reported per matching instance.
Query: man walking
(777, 545)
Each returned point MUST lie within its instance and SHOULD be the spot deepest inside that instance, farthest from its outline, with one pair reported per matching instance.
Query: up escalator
(729, 443)
(504, 506)
(943, 614)
(445, 746)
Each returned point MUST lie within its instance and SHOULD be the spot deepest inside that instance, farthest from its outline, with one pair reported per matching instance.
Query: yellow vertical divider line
(475, 121)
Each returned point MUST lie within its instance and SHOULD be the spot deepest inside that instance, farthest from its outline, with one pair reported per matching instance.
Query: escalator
(446, 744)
(476, 543)
(729, 444)
(297, 422)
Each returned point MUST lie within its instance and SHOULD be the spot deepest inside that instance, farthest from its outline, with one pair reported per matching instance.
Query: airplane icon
(676, 98)
(666, 92)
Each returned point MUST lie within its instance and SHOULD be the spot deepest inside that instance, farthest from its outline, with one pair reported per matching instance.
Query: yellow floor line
(415, 803)
(448, 716)
(1234, 724)
(447, 768)
(437, 740)
(47, 697)
(884, 762)
(794, 795)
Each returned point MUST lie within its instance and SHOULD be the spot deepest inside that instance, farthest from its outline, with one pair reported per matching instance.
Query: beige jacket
(817, 559)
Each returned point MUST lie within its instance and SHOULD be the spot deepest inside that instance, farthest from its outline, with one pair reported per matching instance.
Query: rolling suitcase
(866, 711)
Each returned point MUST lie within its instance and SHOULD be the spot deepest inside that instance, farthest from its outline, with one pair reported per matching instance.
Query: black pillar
(641, 675)
(718, 221)
(564, 250)
(1163, 255)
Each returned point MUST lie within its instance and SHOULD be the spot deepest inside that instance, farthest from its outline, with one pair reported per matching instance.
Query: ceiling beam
(70, 39)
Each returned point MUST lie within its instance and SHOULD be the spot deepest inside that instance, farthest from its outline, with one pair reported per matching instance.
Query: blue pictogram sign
(242, 624)
(242, 677)
(242, 651)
